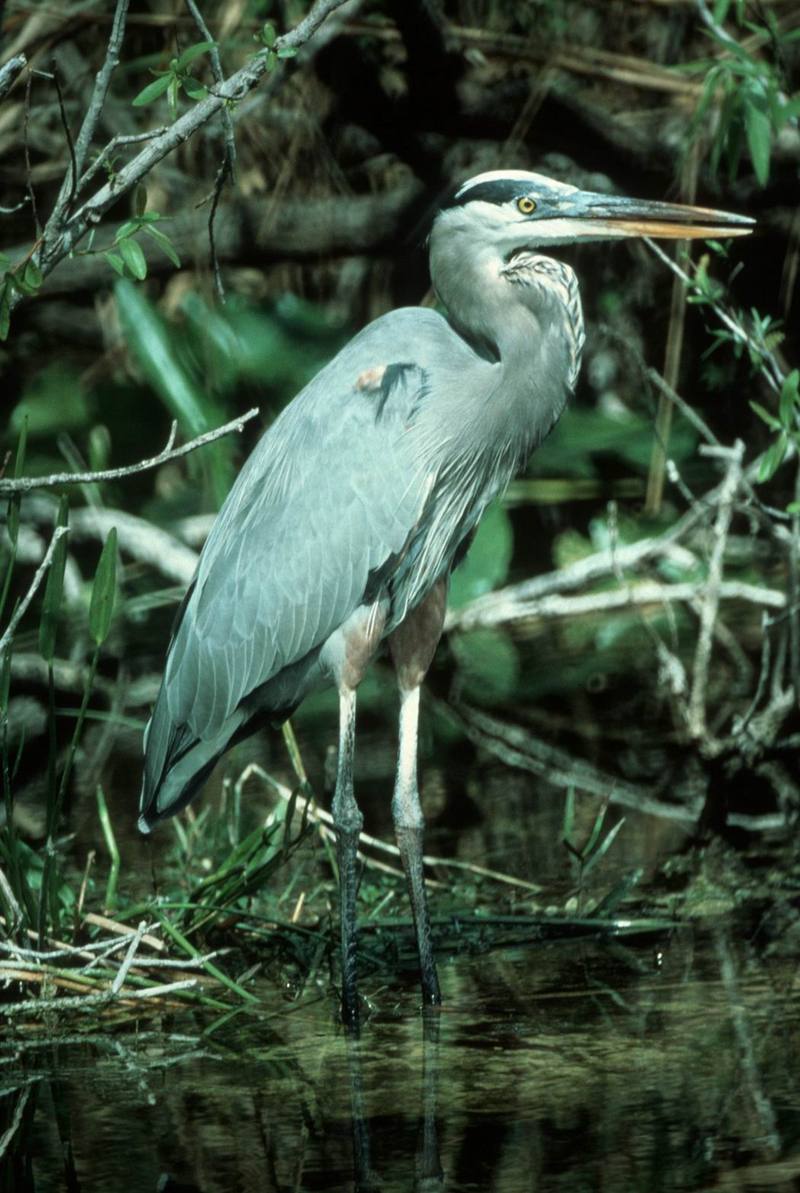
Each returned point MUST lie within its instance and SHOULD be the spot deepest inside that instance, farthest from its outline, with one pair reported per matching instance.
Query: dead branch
(65, 229)
(25, 484)
(712, 591)
(39, 575)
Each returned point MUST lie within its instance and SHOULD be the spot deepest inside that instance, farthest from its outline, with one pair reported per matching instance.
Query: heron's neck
(525, 327)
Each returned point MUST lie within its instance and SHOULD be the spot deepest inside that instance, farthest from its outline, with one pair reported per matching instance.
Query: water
(666, 1063)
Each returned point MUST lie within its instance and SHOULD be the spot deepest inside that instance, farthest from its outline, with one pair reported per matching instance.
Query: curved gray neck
(520, 327)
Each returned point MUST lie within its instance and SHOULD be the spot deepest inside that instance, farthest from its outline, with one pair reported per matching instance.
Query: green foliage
(24, 278)
(104, 590)
(267, 36)
(748, 93)
(54, 590)
(176, 78)
(786, 426)
(488, 666)
(488, 559)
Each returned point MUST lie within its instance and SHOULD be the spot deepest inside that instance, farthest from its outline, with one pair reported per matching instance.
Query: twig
(39, 575)
(24, 484)
(19, 1110)
(26, 143)
(228, 166)
(9, 72)
(696, 715)
(63, 233)
(774, 373)
(645, 592)
(115, 143)
(122, 972)
(325, 820)
(69, 187)
(70, 184)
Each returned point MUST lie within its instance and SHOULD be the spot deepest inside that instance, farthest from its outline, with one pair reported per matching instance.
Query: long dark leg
(409, 826)
(347, 820)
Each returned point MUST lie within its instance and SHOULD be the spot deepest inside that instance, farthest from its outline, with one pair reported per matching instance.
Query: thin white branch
(24, 484)
(39, 575)
(712, 593)
(9, 72)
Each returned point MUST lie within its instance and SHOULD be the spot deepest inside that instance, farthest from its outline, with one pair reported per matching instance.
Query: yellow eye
(526, 205)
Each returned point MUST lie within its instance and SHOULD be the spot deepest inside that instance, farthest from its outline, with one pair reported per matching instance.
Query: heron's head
(514, 210)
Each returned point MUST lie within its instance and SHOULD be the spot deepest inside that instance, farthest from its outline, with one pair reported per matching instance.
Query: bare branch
(712, 593)
(63, 233)
(39, 575)
(24, 484)
(69, 187)
(228, 166)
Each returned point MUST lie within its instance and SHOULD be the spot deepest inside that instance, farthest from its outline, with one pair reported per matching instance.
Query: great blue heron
(343, 527)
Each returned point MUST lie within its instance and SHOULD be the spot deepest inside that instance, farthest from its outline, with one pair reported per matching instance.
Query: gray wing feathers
(289, 557)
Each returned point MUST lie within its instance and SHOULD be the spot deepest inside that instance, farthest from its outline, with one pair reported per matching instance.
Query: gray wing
(331, 493)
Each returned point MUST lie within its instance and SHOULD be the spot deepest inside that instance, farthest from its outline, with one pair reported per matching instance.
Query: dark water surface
(669, 1063)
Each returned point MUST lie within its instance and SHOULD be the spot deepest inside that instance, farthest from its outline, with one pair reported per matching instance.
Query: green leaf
(129, 228)
(32, 276)
(773, 458)
(759, 133)
(793, 507)
(765, 416)
(153, 90)
(195, 51)
(164, 243)
(116, 263)
(54, 589)
(269, 35)
(101, 606)
(287, 52)
(489, 666)
(488, 559)
(790, 399)
(193, 88)
(134, 258)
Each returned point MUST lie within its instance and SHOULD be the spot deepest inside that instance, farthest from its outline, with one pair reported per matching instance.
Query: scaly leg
(409, 825)
(347, 820)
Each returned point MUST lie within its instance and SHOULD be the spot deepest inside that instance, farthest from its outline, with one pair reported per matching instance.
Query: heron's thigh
(413, 644)
(350, 649)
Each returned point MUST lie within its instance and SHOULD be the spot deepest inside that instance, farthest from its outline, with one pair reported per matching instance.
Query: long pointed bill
(609, 215)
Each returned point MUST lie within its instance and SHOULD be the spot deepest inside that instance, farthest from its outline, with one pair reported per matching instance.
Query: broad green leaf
(287, 52)
(759, 133)
(134, 258)
(193, 88)
(195, 51)
(32, 275)
(151, 343)
(488, 664)
(487, 561)
(116, 263)
(54, 589)
(773, 458)
(790, 398)
(269, 34)
(153, 90)
(101, 606)
(165, 244)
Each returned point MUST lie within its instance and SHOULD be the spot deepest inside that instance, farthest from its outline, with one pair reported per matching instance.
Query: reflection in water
(666, 1066)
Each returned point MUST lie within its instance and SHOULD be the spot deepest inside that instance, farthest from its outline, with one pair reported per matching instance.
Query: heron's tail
(176, 762)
